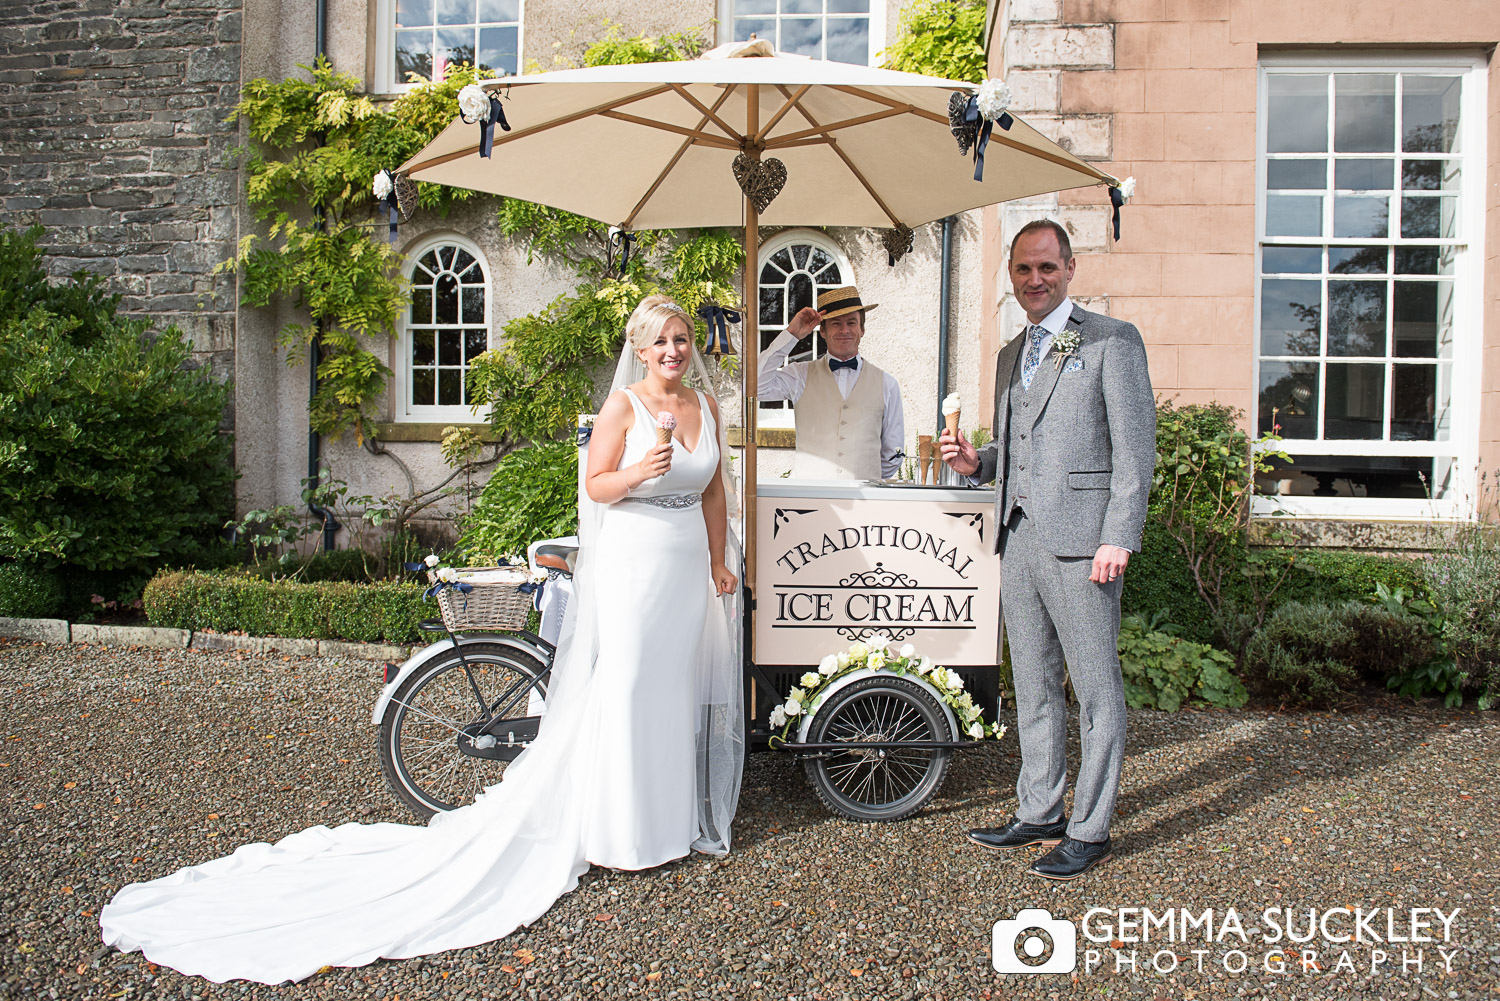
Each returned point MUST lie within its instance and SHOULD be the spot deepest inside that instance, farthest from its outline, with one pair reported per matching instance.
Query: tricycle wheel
(878, 784)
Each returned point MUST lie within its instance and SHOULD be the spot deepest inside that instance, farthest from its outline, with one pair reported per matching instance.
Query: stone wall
(112, 136)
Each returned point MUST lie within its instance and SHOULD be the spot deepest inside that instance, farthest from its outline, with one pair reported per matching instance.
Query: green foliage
(1333, 575)
(381, 612)
(28, 591)
(1464, 583)
(618, 49)
(110, 451)
(941, 38)
(532, 495)
(1163, 671)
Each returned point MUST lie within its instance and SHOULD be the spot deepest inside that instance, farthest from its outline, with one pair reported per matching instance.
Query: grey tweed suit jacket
(1093, 436)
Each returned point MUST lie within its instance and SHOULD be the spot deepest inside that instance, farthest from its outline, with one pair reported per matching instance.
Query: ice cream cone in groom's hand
(952, 410)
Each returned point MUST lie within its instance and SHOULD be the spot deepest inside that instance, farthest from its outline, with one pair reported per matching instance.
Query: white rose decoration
(844, 659)
(924, 666)
(810, 679)
(858, 651)
(792, 708)
(797, 695)
(994, 99)
(976, 730)
(778, 717)
(432, 560)
(1127, 188)
(955, 681)
(474, 104)
(879, 641)
(383, 186)
(828, 665)
(447, 575)
(908, 651)
(876, 660)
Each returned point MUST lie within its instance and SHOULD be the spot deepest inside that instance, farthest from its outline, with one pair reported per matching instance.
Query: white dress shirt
(781, 381)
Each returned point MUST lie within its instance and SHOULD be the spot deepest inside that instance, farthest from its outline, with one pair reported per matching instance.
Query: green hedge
(29, 592)
(387, 611)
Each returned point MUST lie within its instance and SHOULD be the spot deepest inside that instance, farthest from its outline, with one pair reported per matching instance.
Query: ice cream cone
(666, 423)
(952, 421)
(924, 454)
(663, 435)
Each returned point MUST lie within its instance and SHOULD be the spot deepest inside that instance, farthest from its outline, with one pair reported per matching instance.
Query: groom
(1073, 455)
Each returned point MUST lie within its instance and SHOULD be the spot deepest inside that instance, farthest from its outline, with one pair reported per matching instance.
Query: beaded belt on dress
(676, 501)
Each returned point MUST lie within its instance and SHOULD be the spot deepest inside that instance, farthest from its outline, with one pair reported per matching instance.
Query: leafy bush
(1464, 584)
(941, 38)
(1162, 671)
(532, 495)
(1331, 575)
(28, 591)
(110, 452)
(1159, 580)
(1316, 652)
(380, 612)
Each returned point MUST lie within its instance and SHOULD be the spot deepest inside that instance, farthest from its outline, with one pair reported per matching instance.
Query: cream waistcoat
(839, 439)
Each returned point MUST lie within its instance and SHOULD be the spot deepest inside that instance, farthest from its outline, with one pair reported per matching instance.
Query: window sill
(1342, 533)
(764, 437)
(414, 431)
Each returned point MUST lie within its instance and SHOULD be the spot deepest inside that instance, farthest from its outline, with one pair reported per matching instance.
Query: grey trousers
(1055, 615)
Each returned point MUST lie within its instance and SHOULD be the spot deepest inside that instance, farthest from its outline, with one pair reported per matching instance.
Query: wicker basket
(492, 604)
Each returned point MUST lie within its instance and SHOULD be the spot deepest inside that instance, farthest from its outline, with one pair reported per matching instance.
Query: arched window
(797, 266)
(447, 326)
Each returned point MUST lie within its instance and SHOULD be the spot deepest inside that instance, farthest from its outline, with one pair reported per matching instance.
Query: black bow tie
(834, 364)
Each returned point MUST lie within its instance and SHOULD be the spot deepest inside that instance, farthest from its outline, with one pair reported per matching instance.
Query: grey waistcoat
(1018, 465)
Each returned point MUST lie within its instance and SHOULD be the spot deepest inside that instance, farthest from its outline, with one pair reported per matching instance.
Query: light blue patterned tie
(1033, 358)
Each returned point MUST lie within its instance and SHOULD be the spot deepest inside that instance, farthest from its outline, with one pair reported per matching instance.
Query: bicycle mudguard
(853, 676)
(445, 647)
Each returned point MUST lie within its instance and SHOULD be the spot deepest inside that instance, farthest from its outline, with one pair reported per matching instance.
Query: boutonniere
(1065, 346)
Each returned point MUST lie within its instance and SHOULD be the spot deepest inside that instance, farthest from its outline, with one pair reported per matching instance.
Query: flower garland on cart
(875, 654)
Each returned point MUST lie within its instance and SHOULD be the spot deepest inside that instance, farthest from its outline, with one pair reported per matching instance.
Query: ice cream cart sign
(836, 570)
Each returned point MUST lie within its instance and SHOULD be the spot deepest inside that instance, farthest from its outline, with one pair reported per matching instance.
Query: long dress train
(616, 777)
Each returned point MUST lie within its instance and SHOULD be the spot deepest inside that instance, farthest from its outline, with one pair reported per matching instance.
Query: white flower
(797, 695)
(447, 575)
(907, 651)
(778, 717)
(1127, 188)
(994, 99)
(810, 679)
(432, 560)
(879, 641)
(999, 731)
(924, 666)
(876, 660)
(474, 104)
(828, 665)
(792, 708)
(955, 681)
(858, 651)
(844, 659)
(383, 186)
(976, 730)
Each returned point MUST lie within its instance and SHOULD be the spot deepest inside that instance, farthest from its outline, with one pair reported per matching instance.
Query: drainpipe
(315, 354)
(945, 298)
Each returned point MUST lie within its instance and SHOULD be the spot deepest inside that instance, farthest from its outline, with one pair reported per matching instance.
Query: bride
(637, 761)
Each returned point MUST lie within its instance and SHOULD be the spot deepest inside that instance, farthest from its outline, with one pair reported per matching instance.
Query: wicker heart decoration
(966, 132)
(406, 196)
(898, 242)
(761, 181)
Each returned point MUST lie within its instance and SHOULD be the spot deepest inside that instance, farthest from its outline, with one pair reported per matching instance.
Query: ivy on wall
(941, 38)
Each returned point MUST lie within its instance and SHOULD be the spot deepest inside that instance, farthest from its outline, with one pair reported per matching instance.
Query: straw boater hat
(838, 301)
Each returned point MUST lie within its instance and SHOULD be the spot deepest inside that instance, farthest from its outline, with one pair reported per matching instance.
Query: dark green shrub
(29, 592)
(1331, 575)
(110, 452)
(1158, 580)
(1464, 584)
(1163, 671)
(532, 495)
(387, 611)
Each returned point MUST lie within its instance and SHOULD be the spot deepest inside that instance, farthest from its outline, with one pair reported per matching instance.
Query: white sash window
(795, 268)
(446, 327)
(427, 36)
(841, 31)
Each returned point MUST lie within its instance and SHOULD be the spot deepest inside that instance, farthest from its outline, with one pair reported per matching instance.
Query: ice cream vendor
(848, 412)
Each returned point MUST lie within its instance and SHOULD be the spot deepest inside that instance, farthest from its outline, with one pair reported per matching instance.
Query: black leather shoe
(1019, 834)
(1072, 858)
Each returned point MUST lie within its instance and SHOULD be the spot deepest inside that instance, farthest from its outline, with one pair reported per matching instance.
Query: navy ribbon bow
(718, 319)
(971, 114)
(585, 432)
(1117, 199)
(834, 364)
(389, 205)
(487, 127)
(624, 240)
(462, 587)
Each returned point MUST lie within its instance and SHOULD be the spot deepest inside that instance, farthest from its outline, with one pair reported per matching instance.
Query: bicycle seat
(556, 556)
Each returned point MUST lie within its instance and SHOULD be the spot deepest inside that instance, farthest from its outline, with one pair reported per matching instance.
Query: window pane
(772, 300)
(462, 260)
(1356, 402)
(760, 27)
(1364, 175)
(473, 304)
(413, 13)
(1356, 260)
(447, 299)
(1361, 216)
(1429, 114)
(422, 352)
(1291, 260)
(799, 294)
(849, 40)
(801, 6)
(830, 276)
(423, 387)
(1289, 394)
(783, 260)
(455, 45)
(450, 347)
(497, 50)
(1356, 476)
(1364, 113)
(450, 387)
(1424, 260)
(1297, 119)
(802, 36)
(430, 262)
(499, 10)
(1423, 319)
(421, 305)
(1290, 311)
(743, 7)
(1294, 215)
(1430, 175)
(848, 6)
(799, 254)
(1296, 174)
(1356, 320)
(455, 11)
(1429, 217)
(1414, 403)
(475, 342)
(413, 54)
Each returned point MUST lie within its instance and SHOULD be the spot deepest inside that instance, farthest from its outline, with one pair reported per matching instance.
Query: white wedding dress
(636, 763)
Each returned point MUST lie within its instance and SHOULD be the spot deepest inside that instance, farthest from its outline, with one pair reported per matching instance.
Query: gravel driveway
(124, 764)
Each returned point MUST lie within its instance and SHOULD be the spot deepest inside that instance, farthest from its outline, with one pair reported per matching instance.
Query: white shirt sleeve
(777, 380)
(892, 429)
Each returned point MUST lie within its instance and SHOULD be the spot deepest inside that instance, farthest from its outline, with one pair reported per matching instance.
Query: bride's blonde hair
(646, 323)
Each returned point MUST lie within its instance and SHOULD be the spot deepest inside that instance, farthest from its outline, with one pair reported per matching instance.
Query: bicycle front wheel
(419, 734)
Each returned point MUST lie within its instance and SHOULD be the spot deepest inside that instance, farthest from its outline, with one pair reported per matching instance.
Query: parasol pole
(750, 356)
